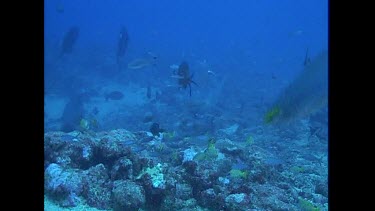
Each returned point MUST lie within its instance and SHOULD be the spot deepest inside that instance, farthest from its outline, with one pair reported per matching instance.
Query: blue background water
(219, 31)
(246, 44)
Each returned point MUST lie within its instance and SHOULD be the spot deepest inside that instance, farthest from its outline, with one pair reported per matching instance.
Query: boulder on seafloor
(238, 201)
(209, 198)
(156, 176)
(62, 185)
(183, 191)
(122, 169)
(69, 150)
(189, 154)
(128, 195)
(97, 187)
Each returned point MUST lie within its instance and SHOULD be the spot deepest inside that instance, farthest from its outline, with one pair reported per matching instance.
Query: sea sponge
(271, 114)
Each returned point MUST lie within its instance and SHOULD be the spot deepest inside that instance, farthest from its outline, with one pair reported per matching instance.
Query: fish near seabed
(307, 58)
(115, 95)
(69, 40)
(184, 77)
(304, 96)
(155, 129)
(122, 44)
(140, 63)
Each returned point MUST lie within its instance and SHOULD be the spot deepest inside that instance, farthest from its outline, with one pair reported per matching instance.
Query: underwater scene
(185, 105)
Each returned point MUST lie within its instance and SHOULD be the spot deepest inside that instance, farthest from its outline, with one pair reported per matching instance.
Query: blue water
(243, 55)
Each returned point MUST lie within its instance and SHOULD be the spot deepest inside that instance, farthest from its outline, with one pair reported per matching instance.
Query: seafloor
(234, 168)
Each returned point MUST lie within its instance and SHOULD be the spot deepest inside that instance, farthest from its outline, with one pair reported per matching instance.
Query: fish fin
(193, 82)
(190, 89)
(307, 58)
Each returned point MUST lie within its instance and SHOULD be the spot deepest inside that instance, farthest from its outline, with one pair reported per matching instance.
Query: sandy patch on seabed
(50, 206)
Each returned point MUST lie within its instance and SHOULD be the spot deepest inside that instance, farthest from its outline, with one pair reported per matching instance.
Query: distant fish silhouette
(122, 44)
(69, 41)
(184, 77)
(155, 129)
(307, 58)
(115, 95)
(72, 114)
(148, 93)
(140, 63)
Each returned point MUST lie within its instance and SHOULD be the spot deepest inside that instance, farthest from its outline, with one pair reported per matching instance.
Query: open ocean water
(186, 105)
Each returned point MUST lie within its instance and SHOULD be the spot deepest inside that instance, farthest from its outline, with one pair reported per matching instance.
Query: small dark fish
(155, 129)
(184, 77)
(115, 95)
(183, 70)
(122, 44)
(147, 119)
(69, 40)
(307, 58)
(148, 93)
(158, 95)
(95, 110)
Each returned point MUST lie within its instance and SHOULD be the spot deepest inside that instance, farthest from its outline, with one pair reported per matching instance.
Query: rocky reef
(123, 170)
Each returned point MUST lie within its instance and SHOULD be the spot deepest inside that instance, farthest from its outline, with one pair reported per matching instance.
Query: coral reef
(121, 170)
